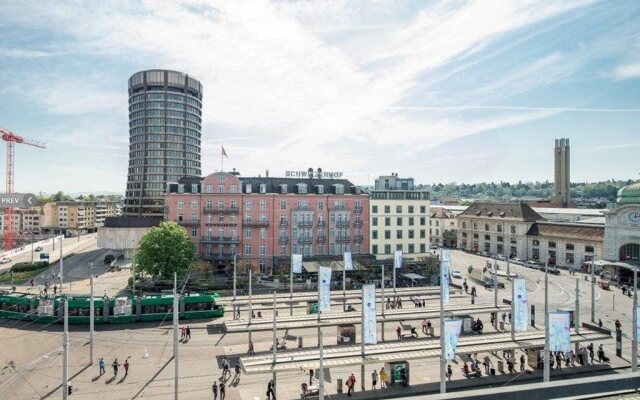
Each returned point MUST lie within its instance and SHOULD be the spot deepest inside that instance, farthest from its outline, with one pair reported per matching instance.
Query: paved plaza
(30, 355)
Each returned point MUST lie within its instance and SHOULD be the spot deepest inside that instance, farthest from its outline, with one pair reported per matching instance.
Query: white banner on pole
(452, 329)
(369, 323)
(559, 332)
(444, 275)
(324, 288)
(296, 263)
(638, 323)
(397, 259)
(520, 305)
(348, 262)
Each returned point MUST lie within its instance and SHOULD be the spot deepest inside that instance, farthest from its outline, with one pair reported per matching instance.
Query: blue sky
(443, 91)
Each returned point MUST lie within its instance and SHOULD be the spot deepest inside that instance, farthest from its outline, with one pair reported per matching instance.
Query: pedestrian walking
(403, 375)
(449, 372)
(522, 363)
(101, 366)
(310, 377)
(251, 351)
(237, 370)
(399, 332)
(126, 367)
(424, 326)
(591, 355)
(351, 383)
(270, 393)
(558, 361)
(383, 378)
(214, 389)
(374, 379)
(115, 366)
(225, 368)
(222, 392)
(188, 332)
(183, 333)
(55, 290)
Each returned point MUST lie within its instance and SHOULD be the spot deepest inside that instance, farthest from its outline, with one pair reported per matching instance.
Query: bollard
(339, 383)
(299, 342)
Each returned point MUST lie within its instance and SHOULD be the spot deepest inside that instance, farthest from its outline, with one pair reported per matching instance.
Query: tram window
(21, 308)
(159, 309)
(198, 306)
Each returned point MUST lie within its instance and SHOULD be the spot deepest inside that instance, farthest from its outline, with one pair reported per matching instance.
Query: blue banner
(520, 305)
(451, 334)
(397, 259)
(324, 289)
(296, 263)
(370, 315)
(559, 331)
(444, 275)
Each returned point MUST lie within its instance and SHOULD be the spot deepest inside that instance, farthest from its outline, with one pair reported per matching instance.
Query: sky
(442, 91)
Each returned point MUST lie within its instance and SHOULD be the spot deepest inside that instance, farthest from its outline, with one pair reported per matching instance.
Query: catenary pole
(91, 321)
(362, 381)
(593, 292)
(634, 342)
(547, 366)
(495, 284)
(175, 334)
(61, 266)
(344, 288)
(234, 275)
(321, 370)
(65, 354)
(383, 302)
(576, 316)
(250, 302)
(275, 339)
(443, 361)
(291, 290)
(513, 309)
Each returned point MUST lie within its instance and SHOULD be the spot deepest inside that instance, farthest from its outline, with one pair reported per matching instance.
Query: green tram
(119, 310)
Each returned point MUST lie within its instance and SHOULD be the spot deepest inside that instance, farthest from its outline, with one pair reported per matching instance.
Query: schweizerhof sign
(311, 173)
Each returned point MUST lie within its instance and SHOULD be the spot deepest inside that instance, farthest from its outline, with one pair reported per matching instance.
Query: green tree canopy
(165, 249)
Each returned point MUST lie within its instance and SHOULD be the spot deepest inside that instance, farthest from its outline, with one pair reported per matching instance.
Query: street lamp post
(547, 366)
(634, 329)
(593, 292)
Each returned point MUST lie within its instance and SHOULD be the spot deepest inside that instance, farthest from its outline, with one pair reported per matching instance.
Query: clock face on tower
(634, 217)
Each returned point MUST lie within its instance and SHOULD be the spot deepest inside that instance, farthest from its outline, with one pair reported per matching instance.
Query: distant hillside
(605, 191)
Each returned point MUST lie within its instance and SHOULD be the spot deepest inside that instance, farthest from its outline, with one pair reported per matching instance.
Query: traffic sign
(18, 200)
(44, 256)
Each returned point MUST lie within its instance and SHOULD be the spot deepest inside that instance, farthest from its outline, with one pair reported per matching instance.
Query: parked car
(484, 254)
(489, 284)
(433, 246)
(532, 264)
(39, 248)
(554, 271)
(500, 257)
(517, 261)
(456, 274)
(5, 260)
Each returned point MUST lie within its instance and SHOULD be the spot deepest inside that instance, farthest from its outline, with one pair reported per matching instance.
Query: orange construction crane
(11, 139)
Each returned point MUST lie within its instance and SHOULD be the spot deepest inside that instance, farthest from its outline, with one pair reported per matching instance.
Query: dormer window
(283, 189)
(263, 188)
(339, 188)
(320, 189)
(247, 188)
(302, 188)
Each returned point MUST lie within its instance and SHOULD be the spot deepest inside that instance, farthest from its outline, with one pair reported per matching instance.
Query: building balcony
(305, 240)
(305, 224)
(256, 223)
(224, 210)
(302, 208)
(343, 239)
(358, 223)
(322, 224)
(358, 210)
(189, 222)
(221, 239)
(343, 224)
(322, 239)
(284, 239)
(359, 238)
(217, 256)
(284, 223)
(339, 208)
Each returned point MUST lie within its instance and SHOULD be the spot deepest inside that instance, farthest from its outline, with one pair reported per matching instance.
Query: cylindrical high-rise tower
(165, 110)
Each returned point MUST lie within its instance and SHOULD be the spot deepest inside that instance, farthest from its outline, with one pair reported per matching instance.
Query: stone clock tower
(622, 229)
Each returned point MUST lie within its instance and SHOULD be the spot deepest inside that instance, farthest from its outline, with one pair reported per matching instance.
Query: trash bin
(299, 342)
(339, 383)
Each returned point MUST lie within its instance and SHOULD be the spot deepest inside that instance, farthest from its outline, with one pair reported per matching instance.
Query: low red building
(265, 220)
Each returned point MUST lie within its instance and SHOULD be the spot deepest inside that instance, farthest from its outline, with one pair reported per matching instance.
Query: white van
(532, 264)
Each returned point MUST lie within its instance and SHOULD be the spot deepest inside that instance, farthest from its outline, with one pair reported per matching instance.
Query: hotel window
(410, 221)
(569, 246)
(194, 232)
(221, 189)
(321, 205)
(263, 188)
(248, 249)
(302, 188)
(248, 218)
(374, 209)
(283, 189)
(411, 248)
(374, 234)
(234, 205)
(220, 204)
(399, 221)
(387, 221)
(233, 218)
(569, 258)
(552, 245)
(374, 249)
(423, 221)
(209, 218)
(221, 218)
(513, 229)
(423, 247)
(233, 189)
(588, 249)
(247, 188)
(475, 226)
(423, 209)
(411, 235)
(387, 234)
(194, 217)
(209, 204)
(194, 188)
(514, 241)
(247, 233)
(423, 234)
(248, 205)
(398, 209)
(263, 205)
(262, 250)
(180, 204)
(339, 189)
(283, 250)
(283, 204)
(194, 205)
(464, 225)
(263, 218)
(387, 249)
(499, 238)
(499, 228)
(486, 227)
(410, 209)
(475, 235)
(263, 267)
(374, 221)
(399, 247)
(387, 209)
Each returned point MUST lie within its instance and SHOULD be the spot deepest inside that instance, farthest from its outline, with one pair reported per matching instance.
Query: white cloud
(628, 71)
(23, 53)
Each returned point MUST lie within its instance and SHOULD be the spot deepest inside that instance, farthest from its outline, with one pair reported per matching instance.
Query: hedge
(27, 266)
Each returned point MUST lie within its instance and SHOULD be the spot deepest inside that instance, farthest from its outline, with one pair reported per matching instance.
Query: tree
(165, 249)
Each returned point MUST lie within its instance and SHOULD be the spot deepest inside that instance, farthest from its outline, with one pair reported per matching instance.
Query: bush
(109, 258)
(27, 266)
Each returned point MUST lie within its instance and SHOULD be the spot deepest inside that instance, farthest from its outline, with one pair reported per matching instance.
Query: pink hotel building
(265, 220)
